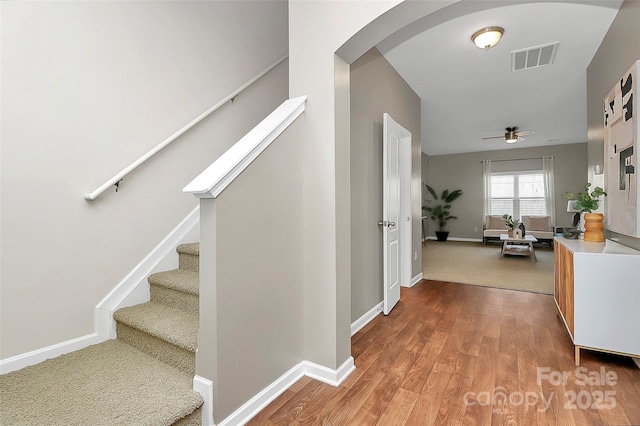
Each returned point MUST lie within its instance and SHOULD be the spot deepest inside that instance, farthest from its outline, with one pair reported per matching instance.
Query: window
(517, 194)
(519, 191)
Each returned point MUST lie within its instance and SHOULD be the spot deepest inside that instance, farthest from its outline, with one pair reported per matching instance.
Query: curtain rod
(518, 159)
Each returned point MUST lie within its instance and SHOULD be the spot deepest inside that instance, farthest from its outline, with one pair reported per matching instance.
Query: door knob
(383, 223)
(392, 224)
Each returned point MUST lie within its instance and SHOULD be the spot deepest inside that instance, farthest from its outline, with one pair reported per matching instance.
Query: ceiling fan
(512, 135)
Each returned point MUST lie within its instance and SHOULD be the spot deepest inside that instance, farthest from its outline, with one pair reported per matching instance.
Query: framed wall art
(621, 155)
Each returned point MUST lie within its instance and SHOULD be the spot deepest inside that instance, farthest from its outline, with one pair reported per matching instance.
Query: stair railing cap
(215, 178)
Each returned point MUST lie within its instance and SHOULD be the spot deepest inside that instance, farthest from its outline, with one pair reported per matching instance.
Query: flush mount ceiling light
(487, 37)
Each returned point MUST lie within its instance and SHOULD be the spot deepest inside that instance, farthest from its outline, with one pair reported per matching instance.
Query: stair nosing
(160, 279)
(192, 249)
(169, 315)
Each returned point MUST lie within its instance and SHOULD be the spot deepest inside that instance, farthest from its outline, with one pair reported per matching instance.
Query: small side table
(518, 246)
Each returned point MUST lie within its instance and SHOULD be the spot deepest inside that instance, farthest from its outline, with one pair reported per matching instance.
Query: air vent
(533, 57)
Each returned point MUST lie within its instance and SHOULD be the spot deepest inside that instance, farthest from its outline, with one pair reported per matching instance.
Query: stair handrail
(215, 178)
(115, 180)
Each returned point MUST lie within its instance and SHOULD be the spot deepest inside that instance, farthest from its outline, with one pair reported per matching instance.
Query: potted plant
(587, 202)
(441, 212)
(511, 223)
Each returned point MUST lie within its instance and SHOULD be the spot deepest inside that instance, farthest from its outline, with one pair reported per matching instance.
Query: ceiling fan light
(513, 140)
(487, 37)
(511, 137)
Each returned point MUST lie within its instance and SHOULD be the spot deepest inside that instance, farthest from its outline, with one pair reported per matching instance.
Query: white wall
(87, 87)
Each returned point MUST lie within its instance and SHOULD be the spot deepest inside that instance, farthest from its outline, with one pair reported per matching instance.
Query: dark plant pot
(442, 235)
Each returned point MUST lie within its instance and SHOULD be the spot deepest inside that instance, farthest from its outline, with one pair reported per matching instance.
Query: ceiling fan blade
(494, 137)
(525, 133)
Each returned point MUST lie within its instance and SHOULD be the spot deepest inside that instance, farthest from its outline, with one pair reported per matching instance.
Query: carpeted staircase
(167, 326)
(144, 377)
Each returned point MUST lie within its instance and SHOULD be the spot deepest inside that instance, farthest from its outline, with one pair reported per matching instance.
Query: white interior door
(393, 136)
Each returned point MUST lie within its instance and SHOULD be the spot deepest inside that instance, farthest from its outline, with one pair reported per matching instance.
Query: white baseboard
(415, 280)
(39, 355)
(366, 318)
(305, 368)
(252, 407)
(472, 240)
(133, 289)
(328, 375)
(205, 388)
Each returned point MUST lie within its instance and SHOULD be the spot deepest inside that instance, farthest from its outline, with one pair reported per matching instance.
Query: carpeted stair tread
(189, 248)
(172, 325)
(177, 279)
(189, 256)
(106, 384)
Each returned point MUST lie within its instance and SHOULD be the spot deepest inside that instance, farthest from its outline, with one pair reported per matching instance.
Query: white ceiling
(469, 93)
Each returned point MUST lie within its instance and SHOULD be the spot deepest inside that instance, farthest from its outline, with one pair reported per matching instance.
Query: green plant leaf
(432, 192)
(586, 201)
(453, 196)
(440, 213)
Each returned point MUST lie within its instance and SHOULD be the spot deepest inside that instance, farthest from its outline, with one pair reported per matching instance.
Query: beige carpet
(475, 263)
(144, 377)
(106, 384)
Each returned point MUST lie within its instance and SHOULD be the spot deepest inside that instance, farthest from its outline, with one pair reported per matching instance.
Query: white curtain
(549, 191)
(486, 181)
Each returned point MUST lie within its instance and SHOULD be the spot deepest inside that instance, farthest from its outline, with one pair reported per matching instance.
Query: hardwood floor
(467, 355)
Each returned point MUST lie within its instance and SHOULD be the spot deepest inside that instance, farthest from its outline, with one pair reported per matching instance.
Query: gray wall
(618, 51)
(377, 88)
(87, 88)
(256, 332)
(464, 171)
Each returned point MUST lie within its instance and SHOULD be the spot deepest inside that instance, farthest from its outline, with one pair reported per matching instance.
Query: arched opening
(372, 35)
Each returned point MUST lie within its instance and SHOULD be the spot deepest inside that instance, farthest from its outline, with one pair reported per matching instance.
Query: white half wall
(251, 281)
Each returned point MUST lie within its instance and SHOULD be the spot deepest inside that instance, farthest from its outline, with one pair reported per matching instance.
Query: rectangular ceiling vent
(533, 57)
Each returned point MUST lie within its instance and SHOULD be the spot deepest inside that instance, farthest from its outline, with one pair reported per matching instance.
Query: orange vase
(593, 227)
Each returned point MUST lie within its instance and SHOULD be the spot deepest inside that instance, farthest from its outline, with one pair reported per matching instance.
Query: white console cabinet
(597, 291)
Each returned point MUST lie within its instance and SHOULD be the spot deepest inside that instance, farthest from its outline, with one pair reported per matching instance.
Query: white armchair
(540, 227)
(493, 227)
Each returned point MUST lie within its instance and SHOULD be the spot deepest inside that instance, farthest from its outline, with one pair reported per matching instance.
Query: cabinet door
(566, 282)
(557, 294)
